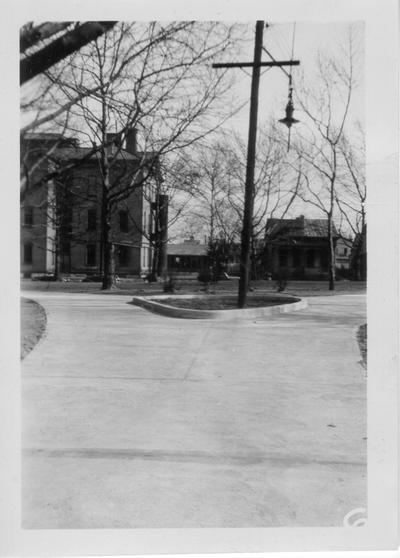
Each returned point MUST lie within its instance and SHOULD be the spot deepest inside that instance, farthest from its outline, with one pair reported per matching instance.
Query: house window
(283, 258)
(123, 256)
(28, 216)
(345, 251)
(123, 221)
(91, 220)
(91, 254)
(325, 259)
(310, 258)
(296, 259)
(28, 253)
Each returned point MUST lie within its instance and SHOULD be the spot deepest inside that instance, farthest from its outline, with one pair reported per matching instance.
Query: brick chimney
(113, 142)
(131, 141)
(113, 138)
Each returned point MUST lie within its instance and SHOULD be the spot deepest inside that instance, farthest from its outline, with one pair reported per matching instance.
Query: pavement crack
(194, 359)
(189, 456)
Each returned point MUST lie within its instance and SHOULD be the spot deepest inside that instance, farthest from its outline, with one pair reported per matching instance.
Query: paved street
(132, 419)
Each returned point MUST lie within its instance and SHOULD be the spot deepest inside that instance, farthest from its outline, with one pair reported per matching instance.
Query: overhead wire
(281, 40)
(290, 79)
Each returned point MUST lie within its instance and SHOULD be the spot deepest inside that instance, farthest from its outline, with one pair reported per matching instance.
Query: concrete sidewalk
(131, 419)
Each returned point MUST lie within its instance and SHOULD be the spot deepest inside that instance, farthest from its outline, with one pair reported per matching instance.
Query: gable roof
(187, 249)
(76, 153)
(65, 149)
(298, 228)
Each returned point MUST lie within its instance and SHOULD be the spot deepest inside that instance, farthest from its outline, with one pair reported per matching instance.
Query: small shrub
(169, 286)
(281, 283)
(205, 277)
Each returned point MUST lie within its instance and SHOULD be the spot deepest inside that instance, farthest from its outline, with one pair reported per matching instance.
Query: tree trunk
(253, 257)
(107, 247)
(162, 270)
(57, 255)
(108, 251)
(331, 268)
(154, 263)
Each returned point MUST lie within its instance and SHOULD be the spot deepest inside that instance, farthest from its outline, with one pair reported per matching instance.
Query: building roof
(187, 249)
(298, 228)
(68, 148)
(67, 153)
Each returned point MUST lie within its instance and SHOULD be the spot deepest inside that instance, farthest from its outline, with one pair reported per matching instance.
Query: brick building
(62, 206)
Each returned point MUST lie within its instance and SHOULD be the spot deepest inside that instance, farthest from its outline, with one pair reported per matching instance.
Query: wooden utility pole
(251, 157)
(251, 154)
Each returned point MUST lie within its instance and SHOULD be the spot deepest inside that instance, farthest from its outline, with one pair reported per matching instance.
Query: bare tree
(218, 206)
(276, 184)
(353, 194)
(155, 78)
(326, 106)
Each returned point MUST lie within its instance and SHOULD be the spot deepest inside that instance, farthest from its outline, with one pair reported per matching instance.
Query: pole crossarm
(256, 64)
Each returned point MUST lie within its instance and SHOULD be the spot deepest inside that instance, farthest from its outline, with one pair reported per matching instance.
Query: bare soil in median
(213, 302)
(33, 325)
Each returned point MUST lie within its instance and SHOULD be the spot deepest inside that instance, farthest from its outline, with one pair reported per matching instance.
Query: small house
(297, 248)
(187, 257)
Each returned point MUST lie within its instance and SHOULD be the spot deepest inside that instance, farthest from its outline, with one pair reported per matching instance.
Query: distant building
(297, 248)
(187, 257)
(358, 256)
(191, 256)
(61, 215)
(342, 256)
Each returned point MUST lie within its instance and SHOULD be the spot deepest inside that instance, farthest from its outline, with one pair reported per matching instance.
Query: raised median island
(219, 307)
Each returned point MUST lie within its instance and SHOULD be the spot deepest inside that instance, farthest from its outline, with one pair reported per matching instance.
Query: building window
(123, 221)
(345, 251)
(91, 254)
(123, 256)
(65, 248)
(325, 259)
(283, 258)
(91, 220)
(28, 253)
(28, 216)
(297, 260)
(310, 258)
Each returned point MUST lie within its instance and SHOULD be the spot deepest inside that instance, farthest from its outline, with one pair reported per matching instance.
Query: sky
(298, 40)
(306, 39)
(309, 38)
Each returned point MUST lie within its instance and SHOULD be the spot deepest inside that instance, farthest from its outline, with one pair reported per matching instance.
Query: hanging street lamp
(289, 110)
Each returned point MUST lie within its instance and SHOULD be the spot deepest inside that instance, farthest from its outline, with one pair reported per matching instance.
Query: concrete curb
(42, 333)
(153, 305)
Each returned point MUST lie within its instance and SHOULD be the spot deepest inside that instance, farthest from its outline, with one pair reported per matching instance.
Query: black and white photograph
(207, 226)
